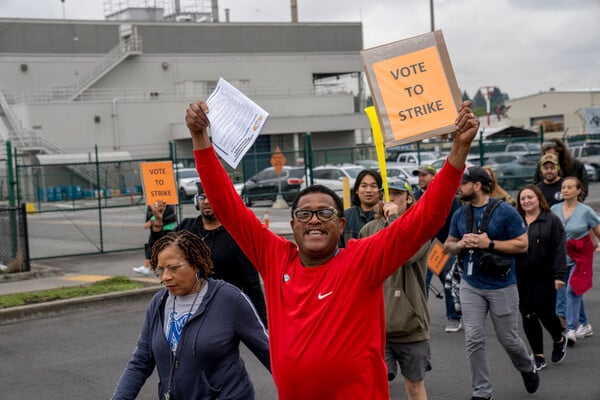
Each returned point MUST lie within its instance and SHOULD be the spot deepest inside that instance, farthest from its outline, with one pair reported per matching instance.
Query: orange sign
(414, 88)
(437, 258)
(277, 161)
(159, 182)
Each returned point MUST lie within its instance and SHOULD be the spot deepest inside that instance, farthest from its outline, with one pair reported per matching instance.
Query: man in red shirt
(324, 304)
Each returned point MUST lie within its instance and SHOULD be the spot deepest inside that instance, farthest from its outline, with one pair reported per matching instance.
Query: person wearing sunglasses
(230, 263)
(193, 329)
(406, 314)
(324, 303)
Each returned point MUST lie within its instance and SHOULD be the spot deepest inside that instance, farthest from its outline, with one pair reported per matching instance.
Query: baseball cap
(400, 184)
(476, 174)
(425, 168)
(549, 158)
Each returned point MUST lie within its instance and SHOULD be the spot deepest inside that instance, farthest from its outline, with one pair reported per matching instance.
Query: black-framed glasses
(172, 269)
(201, 197)
(323, 214)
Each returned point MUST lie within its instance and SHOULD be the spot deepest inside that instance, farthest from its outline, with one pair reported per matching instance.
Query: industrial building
(124, 83)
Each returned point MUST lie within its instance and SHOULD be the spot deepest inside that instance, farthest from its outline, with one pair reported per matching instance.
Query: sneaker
(454, 325)
(540, 362)
(559, 351)
(584, 331)
(571, 338)
(142, 270)
(531, 380)
(490, 397)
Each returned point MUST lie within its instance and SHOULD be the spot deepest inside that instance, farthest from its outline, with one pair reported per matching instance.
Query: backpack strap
(485, 219)
(487, 213)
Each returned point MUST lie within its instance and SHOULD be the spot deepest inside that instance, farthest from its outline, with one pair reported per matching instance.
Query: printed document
(235, 122)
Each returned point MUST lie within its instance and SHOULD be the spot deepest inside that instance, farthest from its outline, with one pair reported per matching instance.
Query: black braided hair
(195, 251)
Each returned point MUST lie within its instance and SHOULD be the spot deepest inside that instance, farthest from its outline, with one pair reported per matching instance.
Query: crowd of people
(346, 304)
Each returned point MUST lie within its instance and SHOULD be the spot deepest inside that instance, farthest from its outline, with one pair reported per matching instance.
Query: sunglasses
(323, 214)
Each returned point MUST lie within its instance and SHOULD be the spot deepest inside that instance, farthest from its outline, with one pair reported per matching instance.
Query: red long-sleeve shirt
(326, 323)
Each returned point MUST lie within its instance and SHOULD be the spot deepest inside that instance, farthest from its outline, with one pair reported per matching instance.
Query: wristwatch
(491, 245)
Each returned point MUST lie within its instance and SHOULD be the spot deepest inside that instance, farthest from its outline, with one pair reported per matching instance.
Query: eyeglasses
(159, 271)
(201, 197)
(323, 214)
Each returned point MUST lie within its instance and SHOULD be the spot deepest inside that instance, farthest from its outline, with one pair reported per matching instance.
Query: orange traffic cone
(266, 218)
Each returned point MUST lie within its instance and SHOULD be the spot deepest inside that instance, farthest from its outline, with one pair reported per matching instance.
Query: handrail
(15, 124)
(168, 92)
(125, 48)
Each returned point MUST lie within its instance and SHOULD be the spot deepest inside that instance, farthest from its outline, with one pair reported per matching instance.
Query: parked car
(332, 176)
(187, 180)
(266, 185)
(588, 153)
(523, 147)
(411, 157)
(439, 163)
(515, 170)
(592, 172)
(398, 170)
(369, 164)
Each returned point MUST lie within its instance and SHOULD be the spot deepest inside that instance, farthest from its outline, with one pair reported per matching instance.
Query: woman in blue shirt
(578, 219)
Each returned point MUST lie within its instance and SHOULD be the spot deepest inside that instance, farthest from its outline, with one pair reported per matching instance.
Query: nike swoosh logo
(322, 296)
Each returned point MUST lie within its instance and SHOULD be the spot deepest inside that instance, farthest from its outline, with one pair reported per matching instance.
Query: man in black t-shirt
(552, 182)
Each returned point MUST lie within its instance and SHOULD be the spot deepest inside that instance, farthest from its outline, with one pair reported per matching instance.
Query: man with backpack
(485, 234)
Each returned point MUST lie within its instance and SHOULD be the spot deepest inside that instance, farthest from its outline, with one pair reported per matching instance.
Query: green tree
(465, 96)
(479, 100)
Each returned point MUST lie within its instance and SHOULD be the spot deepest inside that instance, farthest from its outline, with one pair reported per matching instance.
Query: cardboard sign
(437, 258)
(413, 88)
(159, 182)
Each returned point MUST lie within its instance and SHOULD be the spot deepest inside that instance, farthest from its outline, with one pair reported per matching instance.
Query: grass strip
(114, 284)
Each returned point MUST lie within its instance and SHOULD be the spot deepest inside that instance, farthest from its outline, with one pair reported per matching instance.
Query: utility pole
(294, 6)
(487, 100)
(431, 15)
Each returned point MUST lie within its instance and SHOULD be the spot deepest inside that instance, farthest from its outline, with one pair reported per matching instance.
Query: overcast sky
(521, 46)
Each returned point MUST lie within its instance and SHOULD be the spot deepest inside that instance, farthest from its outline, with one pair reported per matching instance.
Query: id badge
(470, 263)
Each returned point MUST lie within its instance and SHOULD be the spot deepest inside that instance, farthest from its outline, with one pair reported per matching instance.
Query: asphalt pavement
(78, 348)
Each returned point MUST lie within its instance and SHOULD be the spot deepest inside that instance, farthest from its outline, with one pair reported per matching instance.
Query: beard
(467, 197)
(209, 216)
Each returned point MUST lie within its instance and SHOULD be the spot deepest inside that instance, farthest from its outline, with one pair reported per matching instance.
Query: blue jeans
(448, 299)
(572, 304)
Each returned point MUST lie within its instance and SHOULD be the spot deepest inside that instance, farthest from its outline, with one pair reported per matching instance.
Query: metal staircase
(28, 141)
(127, 47)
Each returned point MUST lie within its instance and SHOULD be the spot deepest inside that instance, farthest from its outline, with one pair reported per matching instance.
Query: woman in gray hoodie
(193, 328)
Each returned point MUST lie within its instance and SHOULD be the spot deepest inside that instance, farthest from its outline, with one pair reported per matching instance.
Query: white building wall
(547, 104)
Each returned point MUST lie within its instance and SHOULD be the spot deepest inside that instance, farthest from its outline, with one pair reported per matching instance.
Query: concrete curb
(37, 271)
(50, 308)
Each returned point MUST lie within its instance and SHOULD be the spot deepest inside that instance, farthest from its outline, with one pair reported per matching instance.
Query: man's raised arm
(467, 126)
(197, 122)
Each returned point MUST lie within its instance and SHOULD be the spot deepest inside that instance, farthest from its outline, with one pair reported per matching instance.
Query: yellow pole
(378, 139)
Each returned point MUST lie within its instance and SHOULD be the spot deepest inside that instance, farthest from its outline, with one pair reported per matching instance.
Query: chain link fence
(77, 208)
(14, 246)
